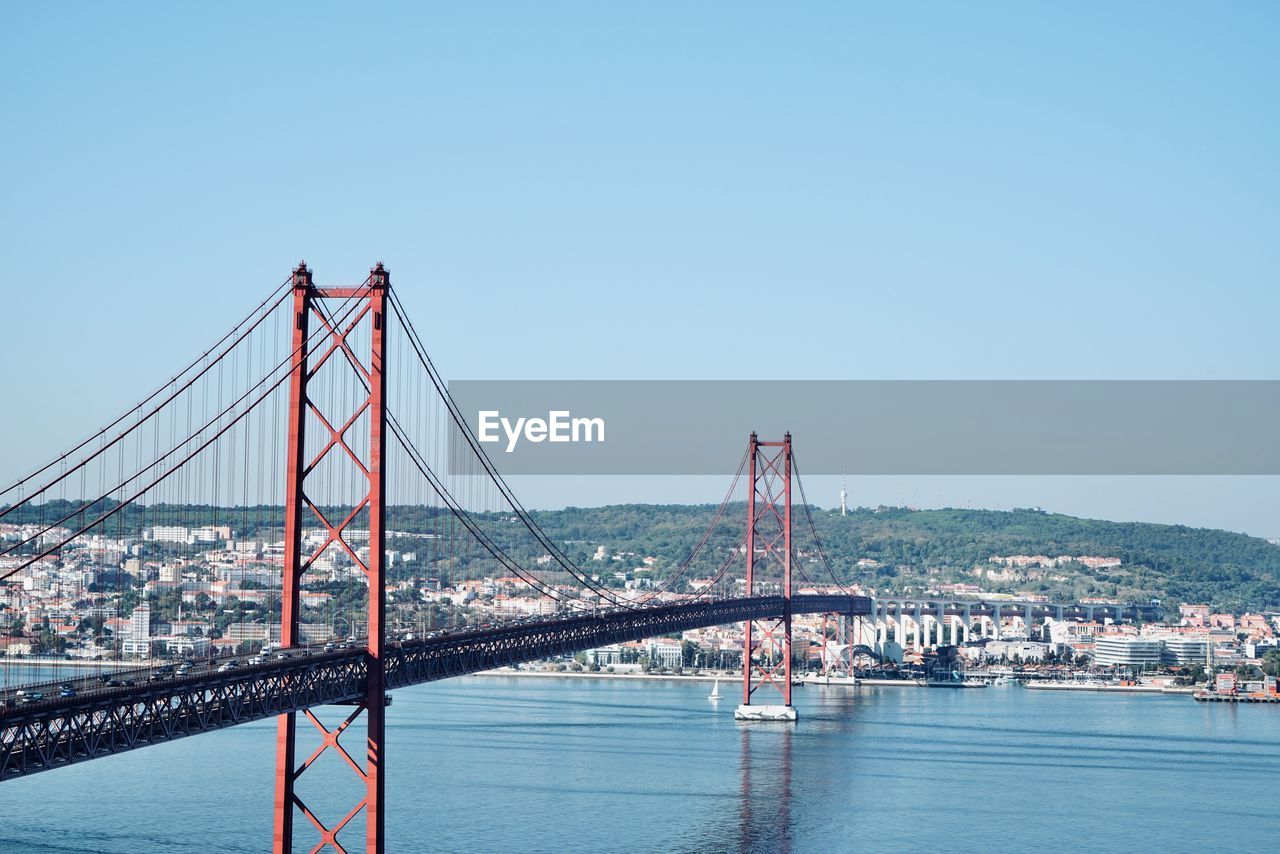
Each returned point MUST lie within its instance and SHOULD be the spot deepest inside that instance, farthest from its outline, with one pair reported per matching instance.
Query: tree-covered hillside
(1173, 563)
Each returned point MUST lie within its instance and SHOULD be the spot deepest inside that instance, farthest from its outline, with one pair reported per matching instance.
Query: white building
(192, 645)
(604, 655)
(1126, 650)
(136, 642)
(666, 652)
(1185, 650)
(169, 534)
(140, 622)
(1024, 650)
(211, 534)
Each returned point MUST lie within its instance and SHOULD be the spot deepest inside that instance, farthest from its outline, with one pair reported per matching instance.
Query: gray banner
(700, 427)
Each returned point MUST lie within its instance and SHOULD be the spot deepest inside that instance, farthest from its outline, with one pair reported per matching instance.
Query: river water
(613, 765)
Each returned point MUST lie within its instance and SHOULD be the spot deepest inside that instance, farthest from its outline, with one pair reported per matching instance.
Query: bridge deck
(103, 720)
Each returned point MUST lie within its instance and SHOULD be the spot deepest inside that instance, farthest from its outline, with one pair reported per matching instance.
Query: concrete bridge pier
(919, 636)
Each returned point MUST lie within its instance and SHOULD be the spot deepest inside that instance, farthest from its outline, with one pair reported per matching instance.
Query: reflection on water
(764, 792)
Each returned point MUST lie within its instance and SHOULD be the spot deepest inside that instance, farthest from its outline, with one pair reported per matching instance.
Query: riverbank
(1113, 689)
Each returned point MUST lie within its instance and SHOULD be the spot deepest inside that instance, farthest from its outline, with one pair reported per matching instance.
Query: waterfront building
(665, 652)
(1127, 650)
(606, 655)
(1180, 649)
(16, 646)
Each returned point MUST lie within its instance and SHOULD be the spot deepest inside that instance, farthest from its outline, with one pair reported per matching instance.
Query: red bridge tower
(766, 653)
(362, 322)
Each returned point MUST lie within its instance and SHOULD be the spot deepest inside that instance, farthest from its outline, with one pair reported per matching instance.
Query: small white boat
(715, 690)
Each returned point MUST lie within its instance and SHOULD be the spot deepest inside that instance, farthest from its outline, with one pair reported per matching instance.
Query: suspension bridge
(316, 444)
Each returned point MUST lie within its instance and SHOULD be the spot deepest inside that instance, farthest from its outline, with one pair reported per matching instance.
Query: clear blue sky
(595, 190)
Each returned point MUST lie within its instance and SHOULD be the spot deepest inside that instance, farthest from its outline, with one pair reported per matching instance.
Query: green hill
(1173, 563)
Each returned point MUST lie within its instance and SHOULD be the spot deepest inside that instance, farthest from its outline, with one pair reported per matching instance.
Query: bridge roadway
(103, 719)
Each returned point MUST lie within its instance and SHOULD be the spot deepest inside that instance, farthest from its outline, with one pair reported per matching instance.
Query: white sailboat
(715, 690)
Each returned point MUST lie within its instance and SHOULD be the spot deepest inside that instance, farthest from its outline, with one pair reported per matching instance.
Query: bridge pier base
(772, 713)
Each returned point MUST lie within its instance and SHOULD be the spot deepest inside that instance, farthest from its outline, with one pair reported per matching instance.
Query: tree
(1247, 671)
(49, 641)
